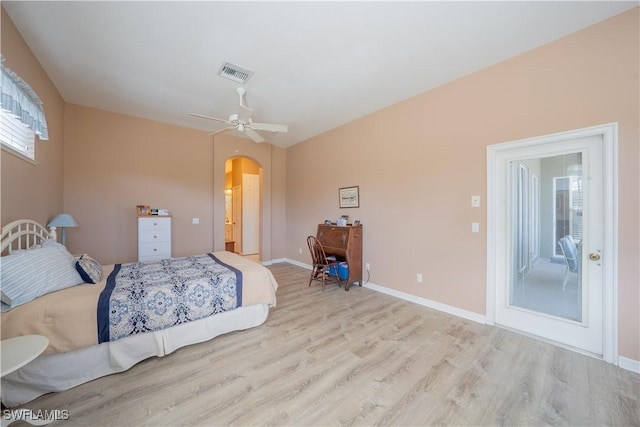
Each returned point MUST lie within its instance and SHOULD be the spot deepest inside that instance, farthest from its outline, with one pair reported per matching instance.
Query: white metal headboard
(24, 234)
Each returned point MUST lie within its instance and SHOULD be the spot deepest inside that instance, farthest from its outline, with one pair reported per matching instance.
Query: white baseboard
(275, 261)
(629, 364)
(449, 309)
(469, 315)
(298, 263)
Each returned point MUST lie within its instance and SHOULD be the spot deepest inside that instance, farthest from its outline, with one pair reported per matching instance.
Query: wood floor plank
(358, 358)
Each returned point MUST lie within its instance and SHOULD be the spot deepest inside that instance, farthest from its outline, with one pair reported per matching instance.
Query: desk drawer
(334, 250)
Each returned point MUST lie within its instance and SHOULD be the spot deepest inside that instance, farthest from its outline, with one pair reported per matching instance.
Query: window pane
(15, 134)
(546, 236)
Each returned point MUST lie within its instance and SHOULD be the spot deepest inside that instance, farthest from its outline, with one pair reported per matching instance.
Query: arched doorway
(243, 200)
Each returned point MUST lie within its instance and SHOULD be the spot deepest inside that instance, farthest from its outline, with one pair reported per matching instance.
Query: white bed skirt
(63, 371)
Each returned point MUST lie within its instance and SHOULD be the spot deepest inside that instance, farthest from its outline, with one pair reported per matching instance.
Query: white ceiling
(317, 65)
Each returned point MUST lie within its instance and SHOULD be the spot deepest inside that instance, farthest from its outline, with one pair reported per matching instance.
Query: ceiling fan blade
(253, 135)
(208, 118)
(221, 130)
(270, 127)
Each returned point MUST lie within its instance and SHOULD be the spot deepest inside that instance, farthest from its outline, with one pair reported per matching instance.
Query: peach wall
(418, 163)
(279, 224)
(115, 162)
(32, 191)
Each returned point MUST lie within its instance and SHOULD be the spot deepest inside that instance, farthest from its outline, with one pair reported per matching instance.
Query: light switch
(475, 201)
(475, 227)
(195, 221)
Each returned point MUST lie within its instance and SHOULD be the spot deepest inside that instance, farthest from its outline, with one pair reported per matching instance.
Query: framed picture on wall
(349, 197)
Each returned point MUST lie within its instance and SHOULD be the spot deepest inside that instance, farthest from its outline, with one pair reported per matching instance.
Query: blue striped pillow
(27, 275)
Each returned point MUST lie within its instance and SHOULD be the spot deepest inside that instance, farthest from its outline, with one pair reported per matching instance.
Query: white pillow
(29, 274)
(62, 248)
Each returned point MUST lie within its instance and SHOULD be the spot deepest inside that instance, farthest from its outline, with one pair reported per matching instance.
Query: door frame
(236, 221)
(496, 233)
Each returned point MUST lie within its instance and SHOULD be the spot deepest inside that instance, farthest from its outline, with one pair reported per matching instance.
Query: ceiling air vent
(235, 72)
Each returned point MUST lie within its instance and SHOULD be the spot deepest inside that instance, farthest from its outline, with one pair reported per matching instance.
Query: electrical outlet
(195, 220)
(475, 201)
(299, 250)
(367, 266)
(419, 278)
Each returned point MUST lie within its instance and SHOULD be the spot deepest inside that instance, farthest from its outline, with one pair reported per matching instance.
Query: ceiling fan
(242, 121)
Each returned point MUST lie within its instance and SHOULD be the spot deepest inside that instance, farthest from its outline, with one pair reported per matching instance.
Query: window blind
(17, 135)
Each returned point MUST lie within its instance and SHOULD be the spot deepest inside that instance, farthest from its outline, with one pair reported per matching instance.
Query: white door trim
(496, 233)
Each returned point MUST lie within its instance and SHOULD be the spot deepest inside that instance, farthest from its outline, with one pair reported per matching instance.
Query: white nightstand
(17, 352)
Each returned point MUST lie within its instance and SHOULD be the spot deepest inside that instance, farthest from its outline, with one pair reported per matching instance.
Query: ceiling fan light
(241, 127)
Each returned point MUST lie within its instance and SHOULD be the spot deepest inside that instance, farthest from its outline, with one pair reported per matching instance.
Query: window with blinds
(16, 136)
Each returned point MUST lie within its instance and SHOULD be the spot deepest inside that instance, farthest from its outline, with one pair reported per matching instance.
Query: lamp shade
(63, 220)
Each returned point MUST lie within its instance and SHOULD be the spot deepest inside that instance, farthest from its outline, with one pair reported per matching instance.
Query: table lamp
(63, 221)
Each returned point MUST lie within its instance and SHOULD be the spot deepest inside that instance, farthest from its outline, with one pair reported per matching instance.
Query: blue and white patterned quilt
(153, 295)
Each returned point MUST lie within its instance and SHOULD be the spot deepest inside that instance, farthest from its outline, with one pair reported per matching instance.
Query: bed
(84, 321)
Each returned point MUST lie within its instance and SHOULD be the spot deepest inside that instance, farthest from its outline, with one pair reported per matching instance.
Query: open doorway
(243, 199)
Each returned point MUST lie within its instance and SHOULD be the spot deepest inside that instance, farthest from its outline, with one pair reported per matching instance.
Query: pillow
(62, 248)
(6, 264)
(27, 275)
(90, 270)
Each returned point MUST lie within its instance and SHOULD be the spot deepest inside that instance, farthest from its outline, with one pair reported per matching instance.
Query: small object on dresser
(163, 211)
(356, 222)
(154, 211)
(341, 222)
(143, 210)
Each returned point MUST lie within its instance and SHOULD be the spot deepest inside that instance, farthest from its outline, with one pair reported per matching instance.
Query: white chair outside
(571, 259)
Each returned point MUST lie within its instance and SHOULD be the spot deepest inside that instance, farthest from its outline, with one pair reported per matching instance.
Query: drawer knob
(155, 250)
(155, 237)
(155, 223)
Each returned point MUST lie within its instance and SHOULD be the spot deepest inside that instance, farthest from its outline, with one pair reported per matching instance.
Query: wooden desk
(345, 243)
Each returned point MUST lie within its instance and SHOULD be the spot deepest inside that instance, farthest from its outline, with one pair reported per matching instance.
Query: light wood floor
(358, 358)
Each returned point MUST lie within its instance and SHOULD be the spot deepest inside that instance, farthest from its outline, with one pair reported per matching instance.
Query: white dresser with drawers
(154, 238)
